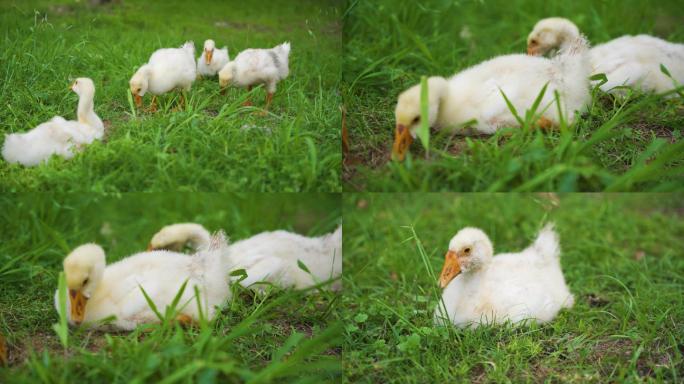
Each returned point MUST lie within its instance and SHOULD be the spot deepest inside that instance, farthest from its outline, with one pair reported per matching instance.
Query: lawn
(621, 256)
(283, 336)
(214, 144)
(626, 144)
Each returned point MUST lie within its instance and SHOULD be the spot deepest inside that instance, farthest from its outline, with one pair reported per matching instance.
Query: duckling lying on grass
(257, 66)
(475, 94)
(167, 69)
(58, 136)
(271, 257)
(212, 60)
(97, 291)
(516, 287)
(632, 61)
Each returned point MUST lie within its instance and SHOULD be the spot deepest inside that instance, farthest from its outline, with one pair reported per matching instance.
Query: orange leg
(153, 104)
(269, 99)
(185, 320)
(181, 102)
(3, 351)
(545, 123)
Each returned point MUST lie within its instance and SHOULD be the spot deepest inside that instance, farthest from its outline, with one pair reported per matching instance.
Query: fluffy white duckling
(475, 95)
(97, 291)
(269, 256)
(212, 60)
(57, 136)
(632, 61)
(515, 287)
(167, 69)
(257, 66)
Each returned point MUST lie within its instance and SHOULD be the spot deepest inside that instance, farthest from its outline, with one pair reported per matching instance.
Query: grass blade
(423, 131)
(62, 328)
(151, 304)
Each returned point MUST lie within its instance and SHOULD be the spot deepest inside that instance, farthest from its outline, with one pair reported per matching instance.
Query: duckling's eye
(533, 42)
(85, 281)
(467, 251)
(416, 120)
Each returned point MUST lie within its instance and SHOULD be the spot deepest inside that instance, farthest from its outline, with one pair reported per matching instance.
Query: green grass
(284, 336)
(215, 144)
(621, 256)
(631, 144)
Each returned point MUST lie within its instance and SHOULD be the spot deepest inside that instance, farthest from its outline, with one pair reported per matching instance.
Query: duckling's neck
(198, 237)
(86, 113)
(567, 34)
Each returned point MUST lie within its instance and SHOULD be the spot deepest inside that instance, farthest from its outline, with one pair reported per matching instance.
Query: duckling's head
(209, 46)
(226, 74)
(83, 86)
(139, 83)
(468, 251)
(549, 34)
(83, 269)
(408, 117)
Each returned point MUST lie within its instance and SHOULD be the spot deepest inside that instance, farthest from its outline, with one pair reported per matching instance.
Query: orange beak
(533, 50)
(402, 142)
(450, 270)
(78, 305)
(138, 100)
(71, 86)
(208, 55)
(150, 247)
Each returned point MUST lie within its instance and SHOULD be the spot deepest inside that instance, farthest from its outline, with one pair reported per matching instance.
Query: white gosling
(212, 60)
(57, 136)
(167, 69)
(269, 256)
(475, 95)
(97, 291)
(516, 287)
(632, 61)
(257, 66)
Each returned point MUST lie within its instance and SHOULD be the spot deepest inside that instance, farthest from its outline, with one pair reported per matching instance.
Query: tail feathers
(225, 49)
(569, 301)
(334, 239)
(12, 150)
(573, 59)
(284, 48)
(572, 71)
(217, 241)
(577, 46)
(547, 243)
(190, 47)
(212, 254)
(17, 149)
